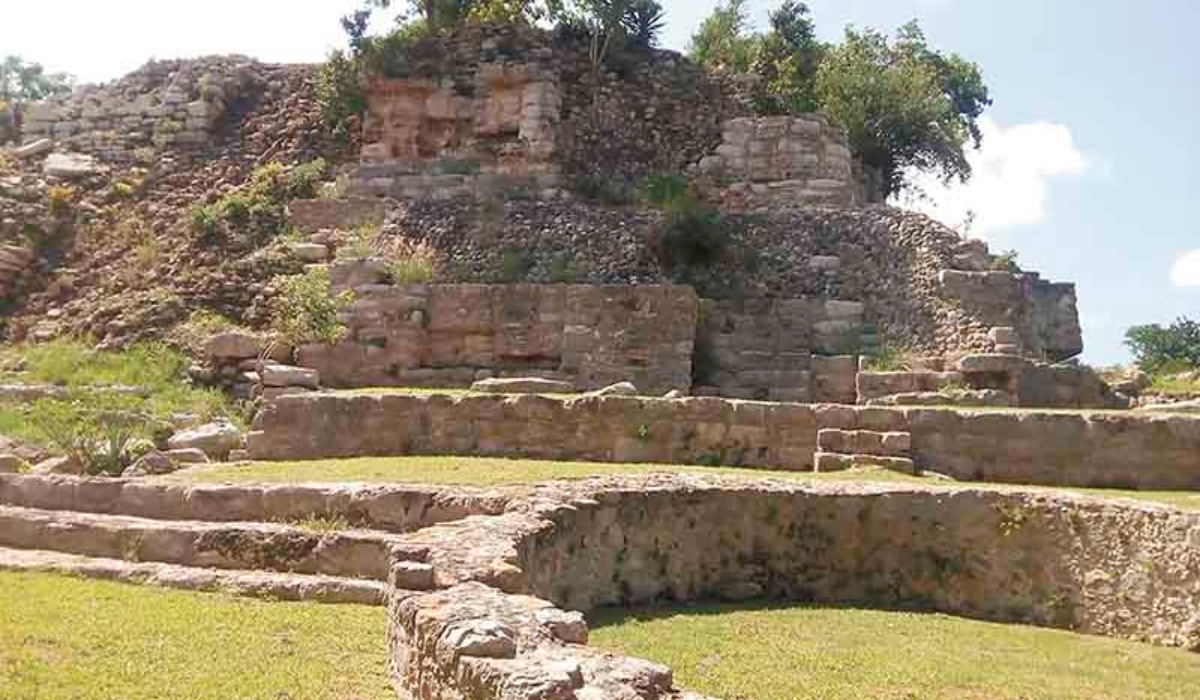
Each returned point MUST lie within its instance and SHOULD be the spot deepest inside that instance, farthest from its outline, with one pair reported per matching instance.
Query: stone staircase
(321, 544)
(839, 450)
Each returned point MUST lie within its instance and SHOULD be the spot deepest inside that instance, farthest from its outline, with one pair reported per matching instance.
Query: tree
(721, 43)
(1159, 349)
(903, 105)
(21, 81)
(787, 59)
(643, 22)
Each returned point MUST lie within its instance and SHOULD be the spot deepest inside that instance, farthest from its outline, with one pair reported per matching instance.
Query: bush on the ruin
(662, 191)
(1171, 350)
(257, 211)
(691, 236)
(305, 311)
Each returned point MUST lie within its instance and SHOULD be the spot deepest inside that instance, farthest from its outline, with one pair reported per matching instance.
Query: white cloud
(1186, 272)
(1008, 186)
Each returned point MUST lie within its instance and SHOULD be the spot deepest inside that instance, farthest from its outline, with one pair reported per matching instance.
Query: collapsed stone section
(161, 105)
(1100, 450)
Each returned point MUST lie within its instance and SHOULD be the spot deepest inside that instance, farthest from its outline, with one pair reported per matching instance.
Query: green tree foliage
(903, 105)
(21, 81)
(787, 59)
(306, 312)
(1159, 350)
(722, 42)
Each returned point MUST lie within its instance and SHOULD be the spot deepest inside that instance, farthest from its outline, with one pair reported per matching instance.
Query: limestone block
(523, 385)
(234, 345)
(216, 440)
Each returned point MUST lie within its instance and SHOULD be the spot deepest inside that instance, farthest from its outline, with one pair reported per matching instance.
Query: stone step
(869, 442)
(256, 546)
(827, 462)
(392, 508)
(254, 584)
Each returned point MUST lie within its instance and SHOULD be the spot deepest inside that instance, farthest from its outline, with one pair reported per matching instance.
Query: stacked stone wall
(1044, 314)
(451, 335)
(783, 162)
(778, 349)
(1090, 450)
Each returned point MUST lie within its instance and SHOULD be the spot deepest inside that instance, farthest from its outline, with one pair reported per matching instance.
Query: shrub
(692, 236)
(258, 209)
(563, 270)
(94, 429)
(515, 266)
(306, 311)
(664, 191)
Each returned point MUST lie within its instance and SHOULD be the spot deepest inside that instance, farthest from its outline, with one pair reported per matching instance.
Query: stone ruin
(486, 589)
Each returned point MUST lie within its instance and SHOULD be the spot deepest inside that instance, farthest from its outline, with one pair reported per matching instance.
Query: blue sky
(1091, 170)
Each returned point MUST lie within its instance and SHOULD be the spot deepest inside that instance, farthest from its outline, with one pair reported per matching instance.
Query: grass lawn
(494, 471)
(65, 638)
(795, 653)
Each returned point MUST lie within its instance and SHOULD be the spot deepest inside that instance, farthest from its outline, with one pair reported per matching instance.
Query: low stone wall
(1102, 450)
(488, 607)
(1086, 450)
(599, 429)
(450, 335)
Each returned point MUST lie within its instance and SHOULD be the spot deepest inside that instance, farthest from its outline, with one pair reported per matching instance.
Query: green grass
(792, 653)
(67, 639)
(494, 471)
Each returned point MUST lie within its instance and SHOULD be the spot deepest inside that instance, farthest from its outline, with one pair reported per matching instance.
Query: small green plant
(361, 244)
(415, 263)
(563, 270)
(642, 432)
(306, 312)
(1006, 262)
(95, 429)
(515, 266)
(662, 191)
(60, 200)
(322, 523)
(692, 235)
(1012, 519)
(888, 357)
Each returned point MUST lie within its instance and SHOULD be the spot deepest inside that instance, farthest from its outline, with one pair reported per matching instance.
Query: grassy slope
(64, 638)
(487, 471)
(844, 654)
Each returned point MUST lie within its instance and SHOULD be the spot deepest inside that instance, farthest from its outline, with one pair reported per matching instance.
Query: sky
(1090, 166)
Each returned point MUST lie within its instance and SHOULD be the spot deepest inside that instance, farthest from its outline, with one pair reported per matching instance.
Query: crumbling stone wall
(1043, 313)
(451, 335)
(163, 104)
(783, 162)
